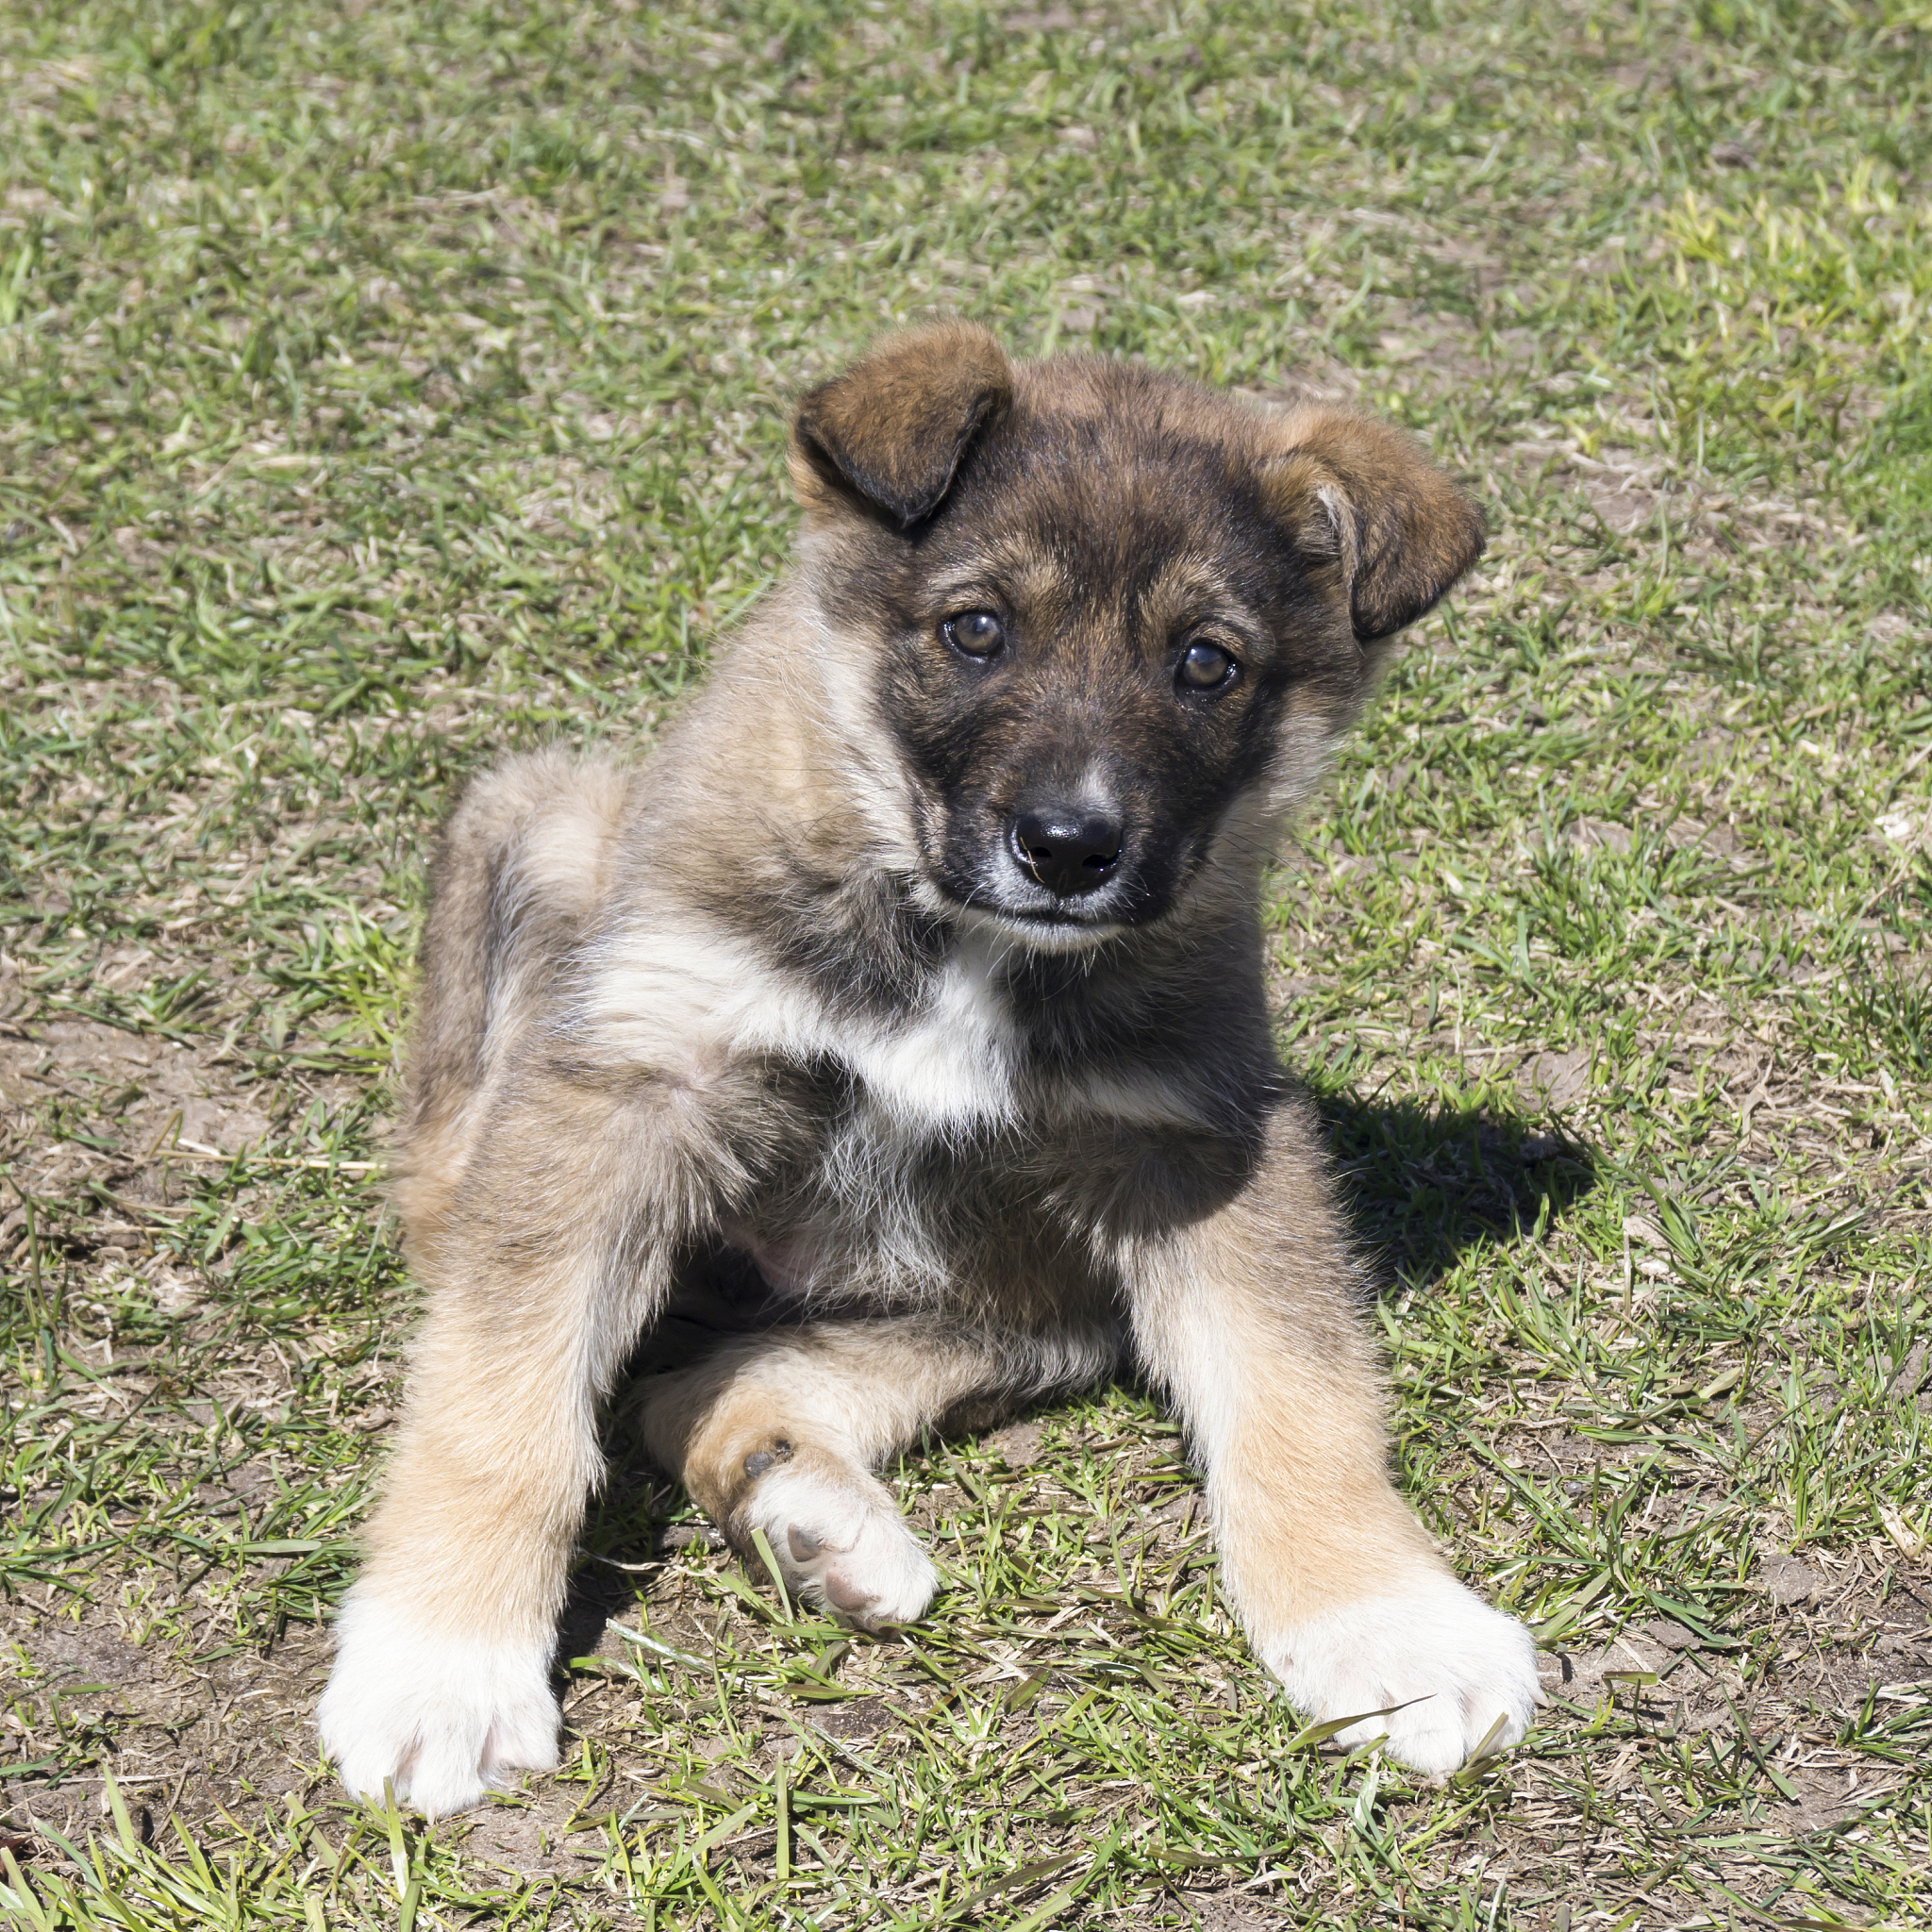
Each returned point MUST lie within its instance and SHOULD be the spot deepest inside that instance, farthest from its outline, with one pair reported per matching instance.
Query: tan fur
(524, 864)
(857, 1393)
(1245, 1316)
(780, 1009)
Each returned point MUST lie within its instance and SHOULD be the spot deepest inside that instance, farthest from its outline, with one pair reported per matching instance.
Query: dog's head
(1113, 621)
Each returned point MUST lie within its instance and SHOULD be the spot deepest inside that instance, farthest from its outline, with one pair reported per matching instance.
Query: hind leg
(781, 1432)
(521, 870)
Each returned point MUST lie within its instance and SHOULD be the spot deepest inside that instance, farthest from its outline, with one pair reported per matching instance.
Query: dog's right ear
(891, 430)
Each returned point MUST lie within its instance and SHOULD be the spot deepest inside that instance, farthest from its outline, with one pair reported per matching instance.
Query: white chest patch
(950, 1067)
(668, 997)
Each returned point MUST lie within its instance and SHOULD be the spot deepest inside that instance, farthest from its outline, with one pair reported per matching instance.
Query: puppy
(920, 971)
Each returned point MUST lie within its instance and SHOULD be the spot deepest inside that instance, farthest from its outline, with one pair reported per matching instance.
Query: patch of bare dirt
(148, 1094)
(180, 1733)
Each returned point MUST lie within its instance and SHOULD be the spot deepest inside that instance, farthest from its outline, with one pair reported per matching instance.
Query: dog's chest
(901, 1160)
(893, 1190)
(945, 1064)
(948, 1067)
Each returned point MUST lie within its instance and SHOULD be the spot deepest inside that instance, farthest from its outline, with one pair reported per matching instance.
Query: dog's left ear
(1367, 497)
(891, 430)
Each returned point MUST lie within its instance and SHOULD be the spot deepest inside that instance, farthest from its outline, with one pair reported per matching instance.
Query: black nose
(1069, 848)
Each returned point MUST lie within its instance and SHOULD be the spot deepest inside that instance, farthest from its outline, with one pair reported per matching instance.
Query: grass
(385, 384)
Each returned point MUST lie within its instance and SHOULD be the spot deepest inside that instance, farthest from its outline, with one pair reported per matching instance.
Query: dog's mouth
(1009, 899)
(1040, 932)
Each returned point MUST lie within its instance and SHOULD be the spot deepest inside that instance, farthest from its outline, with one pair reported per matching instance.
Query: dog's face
(1113, 621)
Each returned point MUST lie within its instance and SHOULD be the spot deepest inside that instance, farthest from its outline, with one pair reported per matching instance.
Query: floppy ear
(1366, 495)
(894, 427)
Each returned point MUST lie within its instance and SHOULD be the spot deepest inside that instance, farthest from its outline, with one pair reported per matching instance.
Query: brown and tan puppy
(920, 971)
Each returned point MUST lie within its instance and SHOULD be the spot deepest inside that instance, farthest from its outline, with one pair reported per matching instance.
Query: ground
(383, 385)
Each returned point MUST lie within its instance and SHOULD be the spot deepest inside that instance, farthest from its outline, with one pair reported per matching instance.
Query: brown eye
(974, 633)
(1206, 667)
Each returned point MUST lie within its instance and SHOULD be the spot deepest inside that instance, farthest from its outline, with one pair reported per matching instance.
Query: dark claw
(760, 1460)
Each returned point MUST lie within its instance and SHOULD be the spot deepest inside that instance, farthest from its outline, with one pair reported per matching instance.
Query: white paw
(445, 1717)
(840, 1542)
(1455, 1665)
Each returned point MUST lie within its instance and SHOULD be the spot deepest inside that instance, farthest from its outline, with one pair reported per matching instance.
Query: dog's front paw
(1456, 1668)
(446, 1718)
(840, 1542)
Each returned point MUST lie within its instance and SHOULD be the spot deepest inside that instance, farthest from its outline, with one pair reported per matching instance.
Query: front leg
(538, 1278)
(1244, 1313)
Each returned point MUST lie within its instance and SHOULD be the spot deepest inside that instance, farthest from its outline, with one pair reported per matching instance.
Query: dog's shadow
(1423, 1184)
(1419, 1184)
